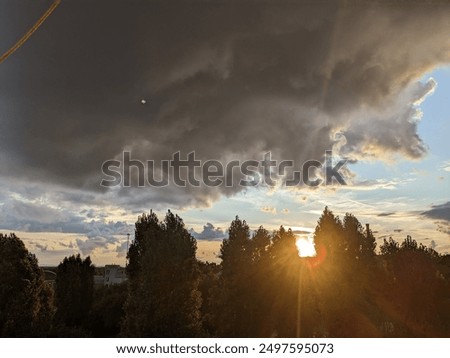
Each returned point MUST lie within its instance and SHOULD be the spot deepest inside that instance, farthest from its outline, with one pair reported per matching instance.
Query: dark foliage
(163, 298)
(26, 308)
(262, 288)
(74, 291)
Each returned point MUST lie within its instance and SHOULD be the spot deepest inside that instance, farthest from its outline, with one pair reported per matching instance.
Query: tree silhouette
(234, 250)
(234, 282)
(208, 287)
(26, 307)
(74, 290)
(260, 284)
(344, 276)
(262, 288)
(163, 299)
(328, 235)
(107, 310)
(389, 247)
(358, 245)
(415, 287)
(285, 279)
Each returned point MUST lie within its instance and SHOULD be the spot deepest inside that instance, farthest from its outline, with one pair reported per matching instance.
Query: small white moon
(143, 101)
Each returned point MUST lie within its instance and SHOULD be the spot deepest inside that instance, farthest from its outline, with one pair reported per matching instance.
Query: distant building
(114, 274)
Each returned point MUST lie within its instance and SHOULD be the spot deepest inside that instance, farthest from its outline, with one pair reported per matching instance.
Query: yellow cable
(30, 31)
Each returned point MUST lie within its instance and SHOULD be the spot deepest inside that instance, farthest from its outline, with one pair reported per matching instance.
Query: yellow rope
(30, 31)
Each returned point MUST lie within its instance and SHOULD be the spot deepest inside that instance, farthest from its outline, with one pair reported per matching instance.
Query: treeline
(262, 288)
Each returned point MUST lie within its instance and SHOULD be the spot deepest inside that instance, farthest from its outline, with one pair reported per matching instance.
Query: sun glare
(305, 247)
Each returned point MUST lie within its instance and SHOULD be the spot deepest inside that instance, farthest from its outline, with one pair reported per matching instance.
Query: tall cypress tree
(328, 235)
(163, 300)
(74, 290)
(284, 276)
(233, 302)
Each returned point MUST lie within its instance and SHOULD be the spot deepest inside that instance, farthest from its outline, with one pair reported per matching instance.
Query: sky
(226, 81)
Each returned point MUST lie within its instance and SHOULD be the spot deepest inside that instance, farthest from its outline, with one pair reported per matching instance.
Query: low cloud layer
(29, 216)
(209, 233)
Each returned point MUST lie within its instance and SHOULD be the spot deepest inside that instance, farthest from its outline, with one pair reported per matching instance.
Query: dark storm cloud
(439, 212)
(229, 80)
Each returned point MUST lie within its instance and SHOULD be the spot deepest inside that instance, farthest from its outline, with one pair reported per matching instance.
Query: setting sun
(305, 247)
